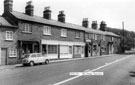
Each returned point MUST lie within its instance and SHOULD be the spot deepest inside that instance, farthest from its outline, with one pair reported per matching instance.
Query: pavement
(7, 67)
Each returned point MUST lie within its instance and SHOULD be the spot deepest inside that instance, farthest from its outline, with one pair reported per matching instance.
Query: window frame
(64, 32)
(47, 30)
(27, 28)
(9, 35)
(77, 34)
(12, 53)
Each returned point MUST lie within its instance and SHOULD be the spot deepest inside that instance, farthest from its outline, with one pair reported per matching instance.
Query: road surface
(116, 70)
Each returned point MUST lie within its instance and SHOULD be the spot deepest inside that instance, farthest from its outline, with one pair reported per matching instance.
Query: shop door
(3, 56)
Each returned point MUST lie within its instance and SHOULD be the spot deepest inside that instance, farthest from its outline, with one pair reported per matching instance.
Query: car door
(34, 58)
(40, 59)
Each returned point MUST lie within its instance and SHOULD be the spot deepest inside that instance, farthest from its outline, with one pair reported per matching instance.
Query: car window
(39, 55)
(26, 56)
(33, 55)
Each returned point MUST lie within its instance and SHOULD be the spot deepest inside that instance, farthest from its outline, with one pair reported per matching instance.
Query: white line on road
(64, 81)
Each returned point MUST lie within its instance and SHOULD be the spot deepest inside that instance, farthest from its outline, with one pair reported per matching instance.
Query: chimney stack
(85, 22)
(29, 9)
(61, 16)
(8, 6)
(94, 25)
(103, 26)
(47, 13)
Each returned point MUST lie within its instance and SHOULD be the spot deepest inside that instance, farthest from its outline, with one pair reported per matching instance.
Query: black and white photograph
(67, 42)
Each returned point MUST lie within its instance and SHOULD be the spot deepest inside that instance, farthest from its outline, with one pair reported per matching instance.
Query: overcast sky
(113, 12)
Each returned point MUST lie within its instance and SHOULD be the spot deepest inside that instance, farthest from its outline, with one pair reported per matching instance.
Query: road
(116, 72)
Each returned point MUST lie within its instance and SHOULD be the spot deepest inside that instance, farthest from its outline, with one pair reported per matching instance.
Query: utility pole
(123, 37)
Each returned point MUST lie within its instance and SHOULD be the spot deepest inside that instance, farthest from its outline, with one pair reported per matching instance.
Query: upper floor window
(64, 32)
(95, 36)
(112, 39)
(27, 28)
(86, 36)
(9, 35)
(103, 37)
(47, 30)
(77, 34)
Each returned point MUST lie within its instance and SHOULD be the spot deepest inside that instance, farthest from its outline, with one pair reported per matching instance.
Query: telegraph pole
(123, 37)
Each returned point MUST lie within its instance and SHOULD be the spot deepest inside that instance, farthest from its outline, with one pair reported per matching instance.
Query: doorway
(3, 56)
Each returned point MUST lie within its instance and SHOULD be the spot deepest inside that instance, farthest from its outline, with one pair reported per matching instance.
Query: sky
(113, 12)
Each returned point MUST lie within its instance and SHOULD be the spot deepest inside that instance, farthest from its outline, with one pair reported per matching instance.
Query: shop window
(44, 49)
(52, 49)
(9, 35)
(82, 50)
(70, 49)
(12, 53)
(78, 49)
(64, 49)
(64, 32)
(47, 30)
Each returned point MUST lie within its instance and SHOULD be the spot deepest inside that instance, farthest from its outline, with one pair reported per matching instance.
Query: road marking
(64, 81)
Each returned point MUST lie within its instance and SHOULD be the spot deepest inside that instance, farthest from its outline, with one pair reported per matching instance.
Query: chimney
(8, 6)
(29, 9)
(103, 26)
(94, 25)
(47, 13)
(61, 16)
(85, 22)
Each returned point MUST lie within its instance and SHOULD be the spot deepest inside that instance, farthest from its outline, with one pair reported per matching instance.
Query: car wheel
(31, 63)
(47, 61)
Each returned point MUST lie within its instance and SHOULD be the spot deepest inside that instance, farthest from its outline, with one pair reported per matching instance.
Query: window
(77, 34)
(39, 55)
(82, 50)
(27, 28)
(112, 38)
(12, 53)
(47, 30)
(78, 49)
(9, 35)
(64, 49)
(103, 37)
(33, 56)
(86, 36)
(95, 36)
(52, 49)
(70, 49)
(64, 32)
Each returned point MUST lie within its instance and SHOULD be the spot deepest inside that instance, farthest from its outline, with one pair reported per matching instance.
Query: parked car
(34, 58)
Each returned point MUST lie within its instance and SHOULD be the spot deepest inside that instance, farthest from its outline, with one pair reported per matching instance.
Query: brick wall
(8, 44)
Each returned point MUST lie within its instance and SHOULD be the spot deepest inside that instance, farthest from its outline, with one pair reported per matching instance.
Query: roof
(90, 30)
(23, 16)
(112, 34)
(4, 22)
